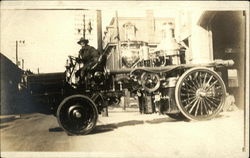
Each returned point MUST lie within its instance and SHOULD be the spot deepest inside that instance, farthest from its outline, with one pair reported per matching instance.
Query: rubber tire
(84, 132)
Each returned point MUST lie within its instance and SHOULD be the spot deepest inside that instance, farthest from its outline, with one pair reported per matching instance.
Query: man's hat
(83, 40)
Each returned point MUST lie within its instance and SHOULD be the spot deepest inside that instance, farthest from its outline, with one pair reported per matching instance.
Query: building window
(130, 31)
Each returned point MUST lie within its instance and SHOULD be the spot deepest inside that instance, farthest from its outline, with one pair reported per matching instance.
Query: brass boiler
(133, 52)
(168, 47)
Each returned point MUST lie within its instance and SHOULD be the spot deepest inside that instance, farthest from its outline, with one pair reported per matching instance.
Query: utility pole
(17, 53)
(22, 64)
(83, 31)
(21, 42)
(118, 40)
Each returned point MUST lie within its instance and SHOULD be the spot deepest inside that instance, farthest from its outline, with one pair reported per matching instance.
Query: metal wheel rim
(200, 94)
(82, 123)
(150, 87)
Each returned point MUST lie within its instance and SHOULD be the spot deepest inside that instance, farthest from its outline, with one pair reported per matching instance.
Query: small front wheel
(77, 115)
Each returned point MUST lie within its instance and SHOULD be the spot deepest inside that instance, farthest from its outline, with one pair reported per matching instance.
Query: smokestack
(150, 25)
(99, 30)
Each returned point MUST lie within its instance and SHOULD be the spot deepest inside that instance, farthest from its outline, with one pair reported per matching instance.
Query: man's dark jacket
(89, 55)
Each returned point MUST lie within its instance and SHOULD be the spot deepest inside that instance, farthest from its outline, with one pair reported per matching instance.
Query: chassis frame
(185, 91)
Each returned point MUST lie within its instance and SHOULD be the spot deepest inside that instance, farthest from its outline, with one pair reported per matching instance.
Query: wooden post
(105, 110)
(126, 99)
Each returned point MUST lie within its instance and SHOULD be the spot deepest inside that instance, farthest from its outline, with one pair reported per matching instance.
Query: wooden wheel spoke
(212, 85)
(213, 103)
(197, 80)
(188, 90)
(189, 86)
(195, 103)
(194, 85)
(204, 81)
(197, 107)
(183, 95)
(202, 106)
(189, 104)
(218, 87)
(200, 79)
(188, 99)
(216, 99)
(205, 107)
(191, 80)
(208, 105)
(209, 80)
(196, 74)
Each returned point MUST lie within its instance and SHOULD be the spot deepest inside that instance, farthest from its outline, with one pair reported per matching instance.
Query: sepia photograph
(124, 79)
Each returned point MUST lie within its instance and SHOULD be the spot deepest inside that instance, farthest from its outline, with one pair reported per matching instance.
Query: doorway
(228, 36)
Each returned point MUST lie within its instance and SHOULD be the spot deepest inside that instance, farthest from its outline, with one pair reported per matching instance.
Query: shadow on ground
(56, 129)
(5, 120)
(112, 126)
(3, 126)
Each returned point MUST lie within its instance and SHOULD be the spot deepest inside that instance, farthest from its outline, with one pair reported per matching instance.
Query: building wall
(142, 28)
(198, 37)
(10, 77)
(147, 29)
(139, 25)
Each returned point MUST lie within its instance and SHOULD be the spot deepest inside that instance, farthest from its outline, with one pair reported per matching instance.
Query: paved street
(126, 134)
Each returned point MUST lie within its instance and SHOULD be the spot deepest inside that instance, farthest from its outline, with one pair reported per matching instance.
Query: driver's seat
(101, 64)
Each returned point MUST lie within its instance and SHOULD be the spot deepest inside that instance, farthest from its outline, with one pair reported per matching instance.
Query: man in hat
(88, 55)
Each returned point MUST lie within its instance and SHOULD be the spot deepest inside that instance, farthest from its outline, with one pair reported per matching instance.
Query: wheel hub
(77, 114)
(201, 93)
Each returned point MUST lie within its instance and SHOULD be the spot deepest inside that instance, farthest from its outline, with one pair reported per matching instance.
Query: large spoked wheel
(200, 94)
(77, 115)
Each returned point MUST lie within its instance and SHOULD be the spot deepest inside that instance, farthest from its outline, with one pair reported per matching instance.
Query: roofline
(138, 18)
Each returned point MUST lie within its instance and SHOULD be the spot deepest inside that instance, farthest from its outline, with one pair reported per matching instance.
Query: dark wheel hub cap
(77, 114)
